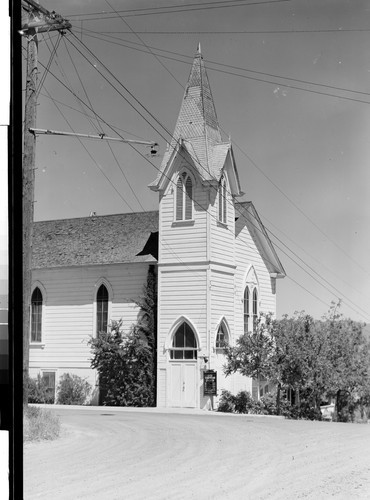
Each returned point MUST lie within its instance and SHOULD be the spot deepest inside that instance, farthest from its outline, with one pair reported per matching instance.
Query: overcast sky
(290, 80)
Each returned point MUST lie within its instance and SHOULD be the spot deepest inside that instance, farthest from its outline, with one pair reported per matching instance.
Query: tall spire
(197, 117)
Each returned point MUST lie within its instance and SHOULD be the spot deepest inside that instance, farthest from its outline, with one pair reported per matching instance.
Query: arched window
(184, 196)
(184, 344)
(255, 309)
(222, 201)
(246, 309)
(222, 336)
(102, 298)
(36, 315)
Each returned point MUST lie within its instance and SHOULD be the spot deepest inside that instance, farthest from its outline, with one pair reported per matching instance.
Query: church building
(215, 264)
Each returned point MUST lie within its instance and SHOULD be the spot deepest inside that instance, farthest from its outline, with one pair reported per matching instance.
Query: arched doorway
(183, 368)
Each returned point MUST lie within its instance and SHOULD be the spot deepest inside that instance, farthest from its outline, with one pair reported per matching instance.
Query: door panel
(176, 384)
(189, 393)
(183, 387)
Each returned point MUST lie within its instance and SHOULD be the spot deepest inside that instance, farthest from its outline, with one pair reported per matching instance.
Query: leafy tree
(316, 359)
(251, 356)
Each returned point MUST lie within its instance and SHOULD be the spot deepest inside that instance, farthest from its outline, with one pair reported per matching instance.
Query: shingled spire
(197, 119)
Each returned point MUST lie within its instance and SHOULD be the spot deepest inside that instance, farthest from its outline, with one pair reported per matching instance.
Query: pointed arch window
(222, 201)
(255, 309)
(102, 299)
(246, 309)
(222, 336)
(184, 197)
(36, 315)
(184, 344)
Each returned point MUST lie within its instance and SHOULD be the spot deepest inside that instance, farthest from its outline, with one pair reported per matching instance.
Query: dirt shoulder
(151, 455)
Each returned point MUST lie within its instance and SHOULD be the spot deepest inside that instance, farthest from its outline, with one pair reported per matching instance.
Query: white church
(215, 264)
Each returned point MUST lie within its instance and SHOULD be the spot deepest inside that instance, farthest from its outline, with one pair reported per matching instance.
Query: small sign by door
(210, 383)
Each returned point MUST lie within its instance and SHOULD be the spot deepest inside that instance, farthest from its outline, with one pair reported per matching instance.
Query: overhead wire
(251, 161)
(175, 9)
(271, 75)
(247, 244)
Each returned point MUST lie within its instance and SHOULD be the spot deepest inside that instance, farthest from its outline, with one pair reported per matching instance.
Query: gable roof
(197, 131)
(246, 214)
(107, 239)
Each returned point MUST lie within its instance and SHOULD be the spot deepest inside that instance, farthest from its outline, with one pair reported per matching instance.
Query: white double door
(183, 384)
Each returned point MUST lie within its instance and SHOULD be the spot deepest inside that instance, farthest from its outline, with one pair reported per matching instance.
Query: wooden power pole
(39, 20)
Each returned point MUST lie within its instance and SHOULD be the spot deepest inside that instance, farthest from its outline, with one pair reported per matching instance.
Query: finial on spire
(199, 51)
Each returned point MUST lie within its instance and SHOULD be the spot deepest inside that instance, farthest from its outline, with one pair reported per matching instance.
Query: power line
(250, 159)
(92, 158)
(174, 9)
(243, 32)
(305, 82)
(246, 242)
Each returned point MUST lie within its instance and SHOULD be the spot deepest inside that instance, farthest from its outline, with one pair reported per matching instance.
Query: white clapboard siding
(68, 311)
(183, 242)
(247, 255)
(222, 236)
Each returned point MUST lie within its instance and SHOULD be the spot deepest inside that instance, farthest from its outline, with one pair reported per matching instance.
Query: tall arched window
(246, 309)
(184, 344)
(222, 201)
(222, 336)
(36, 315)
(184, 196)
(255, 309)
(102, 298)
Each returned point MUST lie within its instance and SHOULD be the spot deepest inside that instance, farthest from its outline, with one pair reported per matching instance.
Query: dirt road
(105, 454)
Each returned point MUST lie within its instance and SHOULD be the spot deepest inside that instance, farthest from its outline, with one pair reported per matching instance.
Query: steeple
(197, 130)
(197, 118)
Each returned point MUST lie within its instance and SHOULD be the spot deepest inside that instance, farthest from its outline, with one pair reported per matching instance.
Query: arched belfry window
(222, 336)
(184, 343)
(36, 315)
(222, 201)
(102, 299)
(184, 197)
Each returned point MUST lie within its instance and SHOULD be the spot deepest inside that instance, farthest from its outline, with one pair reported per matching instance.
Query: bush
(227, 402)
(38, 392)
(39, 424)
(73, 390)
(125, 366)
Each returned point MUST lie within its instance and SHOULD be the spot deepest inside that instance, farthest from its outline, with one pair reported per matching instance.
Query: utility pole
(39, 19)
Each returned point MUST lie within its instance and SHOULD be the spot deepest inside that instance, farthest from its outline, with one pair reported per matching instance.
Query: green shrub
(73, 390)
(38, 391)
(40, 424)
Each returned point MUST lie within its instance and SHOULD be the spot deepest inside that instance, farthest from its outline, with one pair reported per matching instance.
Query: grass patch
(40, 424)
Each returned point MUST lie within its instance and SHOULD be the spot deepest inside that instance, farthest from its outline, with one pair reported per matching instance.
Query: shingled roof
(107, 239)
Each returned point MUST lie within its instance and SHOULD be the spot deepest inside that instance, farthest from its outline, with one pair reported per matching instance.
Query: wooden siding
(68, 315)
(183, 241)
(223, 236)
(246, 255)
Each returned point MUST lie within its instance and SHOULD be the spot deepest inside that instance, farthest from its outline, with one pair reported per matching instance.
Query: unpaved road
(106, 454)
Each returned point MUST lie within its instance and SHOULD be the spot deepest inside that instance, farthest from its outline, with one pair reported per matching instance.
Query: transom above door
(184, 344)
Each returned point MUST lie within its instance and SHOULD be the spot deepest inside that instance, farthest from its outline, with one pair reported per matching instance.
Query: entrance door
(183, 384)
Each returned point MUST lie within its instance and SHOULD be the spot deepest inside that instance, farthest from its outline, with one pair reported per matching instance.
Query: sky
(291, 84)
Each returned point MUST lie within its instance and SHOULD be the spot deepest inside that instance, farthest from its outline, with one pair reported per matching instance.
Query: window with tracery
(184, 344)
(222, 336)
(184, 197)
